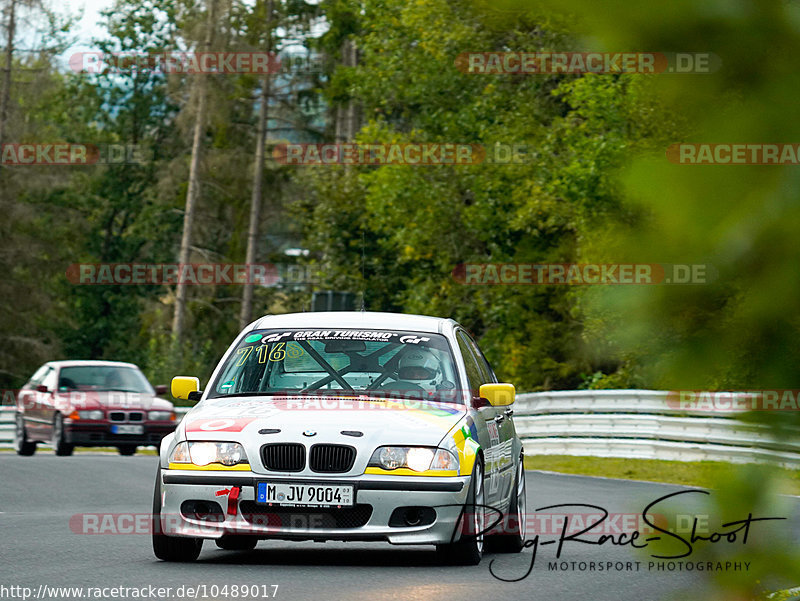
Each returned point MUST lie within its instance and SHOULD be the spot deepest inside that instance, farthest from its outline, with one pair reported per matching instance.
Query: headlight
(95, 414)
(391, 458)
(161, 416)
(206, 453)
(419, 459)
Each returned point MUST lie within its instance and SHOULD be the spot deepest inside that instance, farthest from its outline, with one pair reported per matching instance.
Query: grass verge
(689, 473)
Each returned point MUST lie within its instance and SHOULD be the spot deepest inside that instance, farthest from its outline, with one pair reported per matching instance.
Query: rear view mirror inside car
(345, 346)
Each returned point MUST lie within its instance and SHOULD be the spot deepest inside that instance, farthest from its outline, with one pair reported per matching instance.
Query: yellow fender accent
(376, 471)
(467, 451)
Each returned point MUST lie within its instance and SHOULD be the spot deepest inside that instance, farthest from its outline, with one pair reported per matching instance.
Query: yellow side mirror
(498, 395)
(182, 386)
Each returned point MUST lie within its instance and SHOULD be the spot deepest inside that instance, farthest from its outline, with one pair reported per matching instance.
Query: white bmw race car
(344, 426)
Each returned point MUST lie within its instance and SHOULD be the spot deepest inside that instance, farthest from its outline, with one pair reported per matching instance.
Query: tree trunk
(347, 117)
(6, 97)
(258, 179)
(193, 191)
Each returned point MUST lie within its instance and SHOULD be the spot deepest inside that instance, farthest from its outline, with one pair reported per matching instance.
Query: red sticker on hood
(220, 424)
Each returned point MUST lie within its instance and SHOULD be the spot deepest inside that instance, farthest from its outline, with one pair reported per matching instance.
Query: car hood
(380, 421)
(86, 400)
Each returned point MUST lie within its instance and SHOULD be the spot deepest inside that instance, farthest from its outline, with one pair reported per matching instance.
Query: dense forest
(191, 167)
(198, 182)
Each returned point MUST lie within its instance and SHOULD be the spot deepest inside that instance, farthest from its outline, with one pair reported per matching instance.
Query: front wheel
(468, 550)
(22, 445)
(60, 445)
(171, 548)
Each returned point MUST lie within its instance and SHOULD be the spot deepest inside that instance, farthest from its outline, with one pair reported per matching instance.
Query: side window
(474, 375)
(486, 370)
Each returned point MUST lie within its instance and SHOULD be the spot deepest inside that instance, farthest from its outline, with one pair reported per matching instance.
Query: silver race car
(344, 426)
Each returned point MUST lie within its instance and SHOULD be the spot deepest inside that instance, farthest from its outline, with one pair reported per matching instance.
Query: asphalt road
(41, 495)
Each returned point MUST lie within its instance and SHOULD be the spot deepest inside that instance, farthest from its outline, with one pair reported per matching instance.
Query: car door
(48, 401)
(487, 414)
(32, 404)
(504, 423)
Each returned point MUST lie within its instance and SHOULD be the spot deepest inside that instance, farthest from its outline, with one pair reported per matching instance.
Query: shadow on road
(418, 557)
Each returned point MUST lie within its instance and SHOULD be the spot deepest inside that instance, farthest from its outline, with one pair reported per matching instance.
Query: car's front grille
(284, 457)
(305, 518)
(122, 416)
(332, 458)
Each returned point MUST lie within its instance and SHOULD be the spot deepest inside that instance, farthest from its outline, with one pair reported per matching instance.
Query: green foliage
(739, 331)
(416, 224)
(593, 186)
(132, 213)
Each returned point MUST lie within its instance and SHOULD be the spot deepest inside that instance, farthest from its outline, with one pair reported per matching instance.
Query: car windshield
(103, 377)
(381, 363)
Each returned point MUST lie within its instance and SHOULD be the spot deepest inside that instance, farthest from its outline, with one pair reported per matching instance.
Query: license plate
(304, 495)
(127, 429)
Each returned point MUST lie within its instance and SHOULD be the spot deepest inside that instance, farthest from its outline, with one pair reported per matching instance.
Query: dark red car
(91, 404)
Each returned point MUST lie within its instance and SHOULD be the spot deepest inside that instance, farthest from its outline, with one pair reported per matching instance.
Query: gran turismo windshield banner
(397, 364)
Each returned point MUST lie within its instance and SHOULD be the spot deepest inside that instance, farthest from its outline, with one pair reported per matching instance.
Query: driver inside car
(420, 368)
(113, 381)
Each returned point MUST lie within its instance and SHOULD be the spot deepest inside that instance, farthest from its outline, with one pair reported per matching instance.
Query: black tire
(468, 551)
(237, 543)
(514, 522)
(171, 548)
(127, 450)
(60, 445)
(22, 445)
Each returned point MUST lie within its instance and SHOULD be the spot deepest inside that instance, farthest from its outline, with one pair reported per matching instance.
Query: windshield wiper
(365, 394)
(233, 394)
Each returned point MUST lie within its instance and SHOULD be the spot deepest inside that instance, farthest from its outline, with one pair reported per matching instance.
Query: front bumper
(100, 435)
(376, 499)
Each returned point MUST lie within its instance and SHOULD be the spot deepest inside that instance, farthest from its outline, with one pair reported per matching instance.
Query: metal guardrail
(620, 423)
(645, 424)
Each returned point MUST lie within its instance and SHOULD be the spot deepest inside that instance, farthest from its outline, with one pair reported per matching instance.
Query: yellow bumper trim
(211, 467)
(403, 471)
